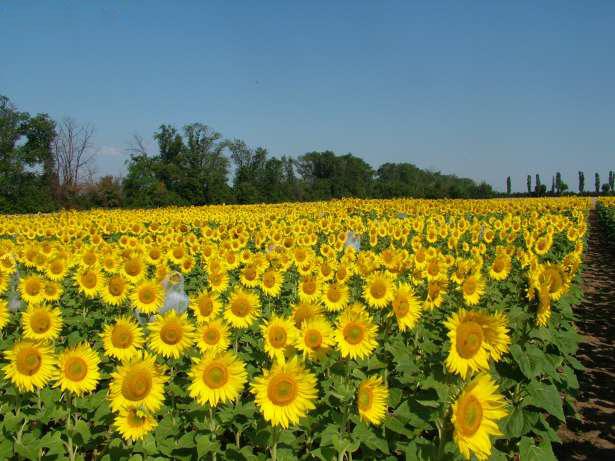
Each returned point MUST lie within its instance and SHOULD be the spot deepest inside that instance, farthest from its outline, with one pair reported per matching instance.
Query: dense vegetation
(196, 166)
(606, 213)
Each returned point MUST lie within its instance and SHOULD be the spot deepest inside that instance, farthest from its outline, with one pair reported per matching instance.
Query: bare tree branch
(74, 152)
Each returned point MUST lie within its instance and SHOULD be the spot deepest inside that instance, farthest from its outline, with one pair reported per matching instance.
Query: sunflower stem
(274, 446)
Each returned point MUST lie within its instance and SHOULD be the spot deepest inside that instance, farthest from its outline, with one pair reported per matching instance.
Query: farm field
(351, 329)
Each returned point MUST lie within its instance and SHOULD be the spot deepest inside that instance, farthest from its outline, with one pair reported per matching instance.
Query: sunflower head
(30, 366)
(41, 323)
(171, 334)
(78, 369)
(217, 378)
(372, 400)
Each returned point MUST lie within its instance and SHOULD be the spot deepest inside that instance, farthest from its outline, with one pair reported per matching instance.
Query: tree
(558, 182)
(581, 182)
(552, 185)
(537, 186)
(529, 184)
(26, 160)
(597, 183)
(612, 180)
(508, 186)
(73, 152)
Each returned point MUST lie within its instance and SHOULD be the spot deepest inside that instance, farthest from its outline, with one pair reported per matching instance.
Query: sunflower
(305, 311)
(88, 281)
(315, 338)
(475, 415)
(217, 378)
(30, 366)
(4, 314)
(218, 281)
(52, 291)
(475, 336)
(31, 289)
(78, 369)
(271, 283)
(285, 393)
(148, 297)
(134, 424)
(133, 269)
(137, 382)
(56, 269)
(213, 336)
(355, 333)
(243, 308)
(472, 288)
(436, 290)
(500, 268)
(372, 399)
(544, 307)
(335, 296)
(309, 289)
(123, 339)
(378, 292)
(41, 323)
(115, 290)
(170, 334)
(249, 276)
(406, 307)
(205, 306)
(553, 277)
(279, 334)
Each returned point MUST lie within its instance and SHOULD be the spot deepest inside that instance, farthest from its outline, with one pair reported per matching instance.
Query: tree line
(559, 187)
(47, 165)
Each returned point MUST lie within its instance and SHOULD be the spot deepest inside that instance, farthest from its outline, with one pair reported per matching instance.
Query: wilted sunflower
(372, 399)
(123, 339)
(41, 323)
(243, 308)
(205, 306)
(148, 296)
(170, 334)
(217, 378)
(406, 307)
(134, 424)
(285, 393)
(31, 289)
(355, 333)
(474, 417)
(316, 337)
(475, 336)
(78, 369)
(378, 291)
(279, 334)
(30, 366)
(137, 382)
(213, 337)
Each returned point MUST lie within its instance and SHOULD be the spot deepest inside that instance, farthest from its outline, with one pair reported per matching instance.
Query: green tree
(581, 182)
(597, 183)
(508, 186)
(529, 184)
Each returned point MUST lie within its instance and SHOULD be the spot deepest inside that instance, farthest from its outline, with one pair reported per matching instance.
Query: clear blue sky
(478, 88)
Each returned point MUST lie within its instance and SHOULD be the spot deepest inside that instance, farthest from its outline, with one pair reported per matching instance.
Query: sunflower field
(606, 213)
(352, 329)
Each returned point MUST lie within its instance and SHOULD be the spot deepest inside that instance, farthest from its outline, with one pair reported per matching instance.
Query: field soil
(592, 436)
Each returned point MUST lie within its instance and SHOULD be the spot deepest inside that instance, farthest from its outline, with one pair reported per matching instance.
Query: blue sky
(479, 88)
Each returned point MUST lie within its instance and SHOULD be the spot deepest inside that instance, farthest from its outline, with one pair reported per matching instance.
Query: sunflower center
(206, 306)
(498, 265)
(313, 339)
(401, 307)
(116, 287)
(132, 267)
(277, 336)
(75, 369)
(215, 375)
(50, 289)
(147, 295)
(121, 337)
(433, 290)
(354, 333)
(365, 398)
(240, 307)
(250, 273)
(309, 287)
(40, 321)
(137, 385)
(269, 280)
(470, 415)
(211, 336)
(29, 361)
(282, 390)
(433, 268)
(56, 267)
(334, 293)
(171, 333)
(469, 286)
(89, 280)
(469, 339)
(378, 289)
(33, 287)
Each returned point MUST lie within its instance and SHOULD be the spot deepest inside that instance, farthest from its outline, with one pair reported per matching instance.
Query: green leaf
(514, 424)
(82, 429)
(367, 437)
(546, 396)
(203, 445)
(528, 451)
